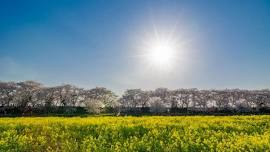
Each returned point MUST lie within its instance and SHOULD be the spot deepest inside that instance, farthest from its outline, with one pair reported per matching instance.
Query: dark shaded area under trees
(30, 98)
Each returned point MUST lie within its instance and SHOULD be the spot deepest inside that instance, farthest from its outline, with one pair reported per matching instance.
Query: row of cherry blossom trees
(28, 96)
(229, 100)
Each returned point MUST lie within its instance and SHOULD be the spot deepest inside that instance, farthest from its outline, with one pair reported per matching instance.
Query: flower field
(149, 133)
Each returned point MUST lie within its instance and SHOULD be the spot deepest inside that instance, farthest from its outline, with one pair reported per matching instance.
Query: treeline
(32, 98)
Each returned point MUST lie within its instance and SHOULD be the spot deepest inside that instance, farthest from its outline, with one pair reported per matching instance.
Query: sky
(221, 44)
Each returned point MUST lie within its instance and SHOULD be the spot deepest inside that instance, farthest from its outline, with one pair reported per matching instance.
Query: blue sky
(95, 43)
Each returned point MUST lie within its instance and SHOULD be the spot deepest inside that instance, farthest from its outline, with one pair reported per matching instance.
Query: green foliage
(165, 134)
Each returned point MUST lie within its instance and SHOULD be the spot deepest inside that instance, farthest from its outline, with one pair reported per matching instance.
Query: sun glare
(163, 51)
(161, 54)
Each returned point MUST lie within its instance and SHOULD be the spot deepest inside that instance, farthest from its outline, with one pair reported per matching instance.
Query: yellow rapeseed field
(148, 133)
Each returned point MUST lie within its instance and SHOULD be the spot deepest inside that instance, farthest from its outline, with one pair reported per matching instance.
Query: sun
(160, 54)
(162, 51)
